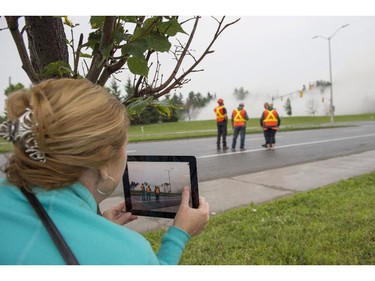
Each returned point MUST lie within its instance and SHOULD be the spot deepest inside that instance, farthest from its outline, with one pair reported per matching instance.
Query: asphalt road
(293, 147)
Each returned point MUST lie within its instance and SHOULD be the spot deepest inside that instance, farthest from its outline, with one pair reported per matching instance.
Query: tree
(115, 43)
(115, 90)
(177, 104)
(241, 93)
(288, 107)
(149, 114)
(195, 102)
(11, 88)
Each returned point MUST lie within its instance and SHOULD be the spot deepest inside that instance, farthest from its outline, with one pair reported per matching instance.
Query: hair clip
(21, 130)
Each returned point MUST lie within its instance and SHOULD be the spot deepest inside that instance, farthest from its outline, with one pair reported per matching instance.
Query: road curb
(228, 193)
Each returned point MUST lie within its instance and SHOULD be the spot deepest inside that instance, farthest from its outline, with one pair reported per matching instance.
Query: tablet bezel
(194, 199)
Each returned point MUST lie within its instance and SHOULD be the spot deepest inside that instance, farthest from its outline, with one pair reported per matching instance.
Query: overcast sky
(269, 54)
(158, 173)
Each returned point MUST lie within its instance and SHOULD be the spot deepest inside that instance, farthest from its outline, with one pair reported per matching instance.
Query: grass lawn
(207, 128)
(333, 225)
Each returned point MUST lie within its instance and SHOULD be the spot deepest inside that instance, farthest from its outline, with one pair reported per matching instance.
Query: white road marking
(286, 146)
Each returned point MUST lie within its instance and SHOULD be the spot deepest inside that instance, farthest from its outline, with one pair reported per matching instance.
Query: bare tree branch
(107, 39)
(12, 22)
(177, 67)
(157, 72)
(206, 52)
(109, 70)
(76, 57)
(105, 63)
(168, 85)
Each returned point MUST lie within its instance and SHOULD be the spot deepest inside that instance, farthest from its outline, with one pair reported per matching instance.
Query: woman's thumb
(185, 196)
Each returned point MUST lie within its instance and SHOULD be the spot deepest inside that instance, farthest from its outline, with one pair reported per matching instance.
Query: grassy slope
(206, 128)
(333, 225)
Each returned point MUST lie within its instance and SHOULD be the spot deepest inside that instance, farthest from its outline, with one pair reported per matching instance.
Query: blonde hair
(77, 125)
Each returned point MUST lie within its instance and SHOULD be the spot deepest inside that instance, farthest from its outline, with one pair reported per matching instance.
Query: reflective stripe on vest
(270, 119)
(239, 117)
(220, 117)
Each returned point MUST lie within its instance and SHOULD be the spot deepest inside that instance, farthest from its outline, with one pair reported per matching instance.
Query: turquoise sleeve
(172, 246)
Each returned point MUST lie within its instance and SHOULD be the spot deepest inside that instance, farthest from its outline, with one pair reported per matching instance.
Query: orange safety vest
(270, 118)
(219, 110)
(238, 117)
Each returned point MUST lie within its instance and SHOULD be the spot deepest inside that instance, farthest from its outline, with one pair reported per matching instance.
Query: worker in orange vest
(239, 118)
(270, 122)
(221, 122)
(266, 106)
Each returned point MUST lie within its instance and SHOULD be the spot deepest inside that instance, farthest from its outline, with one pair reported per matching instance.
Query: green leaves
(96, 22)
(137, 63)
(57, 69)
(150, 35)
(171, 27)
(158, 42)
(138, 66)
(164, 107)
(137, 105)
(136, 48)
(69, 23)
(133, 38)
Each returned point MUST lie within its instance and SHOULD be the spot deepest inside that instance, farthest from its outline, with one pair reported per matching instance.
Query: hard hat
(220, 100)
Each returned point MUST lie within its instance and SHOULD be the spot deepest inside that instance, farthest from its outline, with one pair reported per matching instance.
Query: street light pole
(169, 177)
(331, 107)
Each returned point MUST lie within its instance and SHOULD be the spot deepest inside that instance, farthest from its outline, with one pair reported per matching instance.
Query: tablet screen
(153, 184)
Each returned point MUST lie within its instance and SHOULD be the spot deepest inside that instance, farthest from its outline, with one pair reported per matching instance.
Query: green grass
(333, 225)
(5, 146)
(207, 128)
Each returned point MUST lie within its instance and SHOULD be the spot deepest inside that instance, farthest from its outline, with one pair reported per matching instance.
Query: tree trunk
(47, 41)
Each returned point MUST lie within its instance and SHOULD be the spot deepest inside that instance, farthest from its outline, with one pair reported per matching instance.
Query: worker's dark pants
(269, 135)
(221, 133)
(265, 135)
(241, 130)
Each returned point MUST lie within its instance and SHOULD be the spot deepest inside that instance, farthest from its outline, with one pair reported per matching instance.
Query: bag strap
(60, 243)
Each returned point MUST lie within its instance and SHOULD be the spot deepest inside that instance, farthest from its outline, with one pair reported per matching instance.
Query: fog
(353, 93)
(279, 56)
(269, 56)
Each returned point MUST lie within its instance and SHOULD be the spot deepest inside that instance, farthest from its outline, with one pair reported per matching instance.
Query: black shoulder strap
(51, 228)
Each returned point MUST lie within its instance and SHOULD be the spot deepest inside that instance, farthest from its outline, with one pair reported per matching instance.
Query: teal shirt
(93, 239)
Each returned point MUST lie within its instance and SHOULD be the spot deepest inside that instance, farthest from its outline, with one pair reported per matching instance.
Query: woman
(70, 140)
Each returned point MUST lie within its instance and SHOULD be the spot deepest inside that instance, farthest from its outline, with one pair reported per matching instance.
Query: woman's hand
(189, 219)
(119, 215)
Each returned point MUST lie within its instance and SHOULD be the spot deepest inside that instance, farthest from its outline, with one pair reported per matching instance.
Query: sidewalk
(227, 193)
